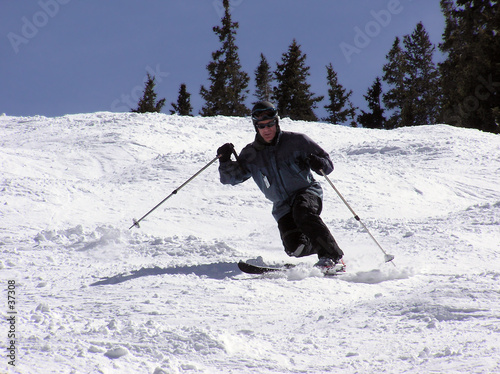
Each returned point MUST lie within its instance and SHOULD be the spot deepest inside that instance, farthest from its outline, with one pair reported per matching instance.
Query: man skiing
(280, 163)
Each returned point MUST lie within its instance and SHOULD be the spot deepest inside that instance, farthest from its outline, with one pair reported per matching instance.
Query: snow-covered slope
(92, 296)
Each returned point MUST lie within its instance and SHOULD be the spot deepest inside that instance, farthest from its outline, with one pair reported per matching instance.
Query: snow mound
(93, 296)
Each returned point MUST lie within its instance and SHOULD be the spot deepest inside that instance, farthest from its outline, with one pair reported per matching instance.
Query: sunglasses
(264, 125)
(263, 114)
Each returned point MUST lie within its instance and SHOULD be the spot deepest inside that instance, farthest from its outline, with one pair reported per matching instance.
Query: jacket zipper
(283, 191)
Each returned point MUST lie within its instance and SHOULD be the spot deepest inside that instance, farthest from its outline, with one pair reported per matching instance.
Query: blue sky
(73, 56)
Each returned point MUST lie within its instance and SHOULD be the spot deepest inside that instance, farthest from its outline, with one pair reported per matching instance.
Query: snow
(93, 296)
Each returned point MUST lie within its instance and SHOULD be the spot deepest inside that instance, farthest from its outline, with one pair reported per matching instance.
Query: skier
(280, 163)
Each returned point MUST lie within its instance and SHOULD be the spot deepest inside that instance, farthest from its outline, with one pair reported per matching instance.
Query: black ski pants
(304, 233)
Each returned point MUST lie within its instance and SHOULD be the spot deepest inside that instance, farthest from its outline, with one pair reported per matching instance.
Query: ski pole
(136, 222)
(387, 257)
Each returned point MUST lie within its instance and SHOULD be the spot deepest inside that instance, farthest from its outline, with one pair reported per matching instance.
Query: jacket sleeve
(315, 149)
(231, 172)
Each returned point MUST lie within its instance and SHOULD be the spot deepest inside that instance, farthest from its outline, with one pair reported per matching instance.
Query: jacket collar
(259, 143)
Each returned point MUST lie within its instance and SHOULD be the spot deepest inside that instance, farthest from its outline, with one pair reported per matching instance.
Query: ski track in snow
(93, 296)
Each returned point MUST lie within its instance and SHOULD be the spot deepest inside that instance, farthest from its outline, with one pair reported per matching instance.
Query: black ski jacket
(280, 169)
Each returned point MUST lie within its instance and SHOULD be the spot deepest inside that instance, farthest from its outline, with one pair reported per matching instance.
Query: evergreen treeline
(470, 76)
(413, 90)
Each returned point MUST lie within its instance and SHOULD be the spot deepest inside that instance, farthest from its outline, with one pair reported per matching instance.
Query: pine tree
(374, 119)
(340, 107)
(470, 75)
(183, 106)
(292, 94)
(228, 89)
(422, 80)
(413, 81)
(263, 79)
(148, 101)
(394, 74)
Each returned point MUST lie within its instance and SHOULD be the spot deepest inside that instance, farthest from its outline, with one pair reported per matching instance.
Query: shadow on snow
(218, 271)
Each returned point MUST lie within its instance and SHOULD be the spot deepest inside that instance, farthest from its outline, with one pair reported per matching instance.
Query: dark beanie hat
(264, 110)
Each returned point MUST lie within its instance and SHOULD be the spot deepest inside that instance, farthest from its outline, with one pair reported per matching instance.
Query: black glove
(225, 152)
(316, 163)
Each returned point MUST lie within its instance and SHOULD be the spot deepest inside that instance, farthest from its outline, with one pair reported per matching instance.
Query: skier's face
(268, 132)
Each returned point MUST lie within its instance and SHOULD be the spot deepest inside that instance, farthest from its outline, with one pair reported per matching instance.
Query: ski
(257, 269)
